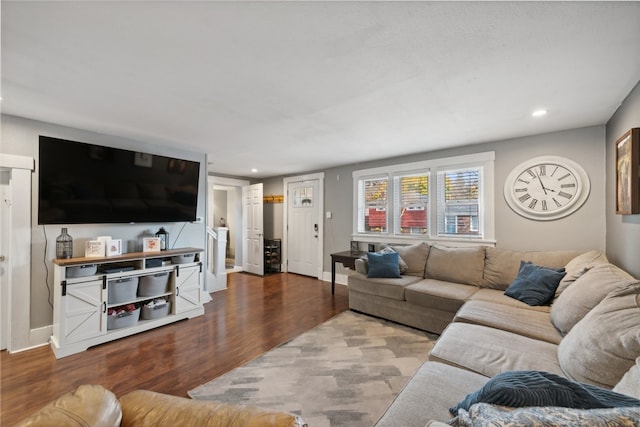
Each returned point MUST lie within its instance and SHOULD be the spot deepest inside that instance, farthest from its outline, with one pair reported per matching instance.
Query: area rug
(344, 372)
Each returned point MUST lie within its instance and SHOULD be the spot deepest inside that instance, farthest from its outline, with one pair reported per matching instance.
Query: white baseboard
(37, 338)
(341, 279)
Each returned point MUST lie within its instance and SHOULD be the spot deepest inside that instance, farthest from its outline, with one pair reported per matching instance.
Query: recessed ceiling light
(539, 113)
(254, 170)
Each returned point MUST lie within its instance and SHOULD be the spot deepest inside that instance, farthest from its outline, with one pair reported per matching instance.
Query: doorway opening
(225, 210)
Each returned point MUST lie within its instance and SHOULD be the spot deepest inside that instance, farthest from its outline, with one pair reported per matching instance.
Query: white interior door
(252, 229)
(303, 236)
(5, 221)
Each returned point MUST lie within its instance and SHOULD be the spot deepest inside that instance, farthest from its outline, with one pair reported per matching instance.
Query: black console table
(346, 258)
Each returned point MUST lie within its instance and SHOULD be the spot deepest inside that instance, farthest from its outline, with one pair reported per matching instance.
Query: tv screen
(83, 183)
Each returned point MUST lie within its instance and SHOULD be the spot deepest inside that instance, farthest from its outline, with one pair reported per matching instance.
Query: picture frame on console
(627, 174)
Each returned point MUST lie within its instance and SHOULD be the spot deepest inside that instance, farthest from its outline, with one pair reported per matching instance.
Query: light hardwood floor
(252, 316)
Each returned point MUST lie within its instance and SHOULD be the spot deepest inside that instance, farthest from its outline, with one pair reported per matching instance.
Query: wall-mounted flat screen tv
(83, 183)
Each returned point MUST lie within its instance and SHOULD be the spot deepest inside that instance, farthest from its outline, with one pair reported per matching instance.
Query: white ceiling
(291, 87)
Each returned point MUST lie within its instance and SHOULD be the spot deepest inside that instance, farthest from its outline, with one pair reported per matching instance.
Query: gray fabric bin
(123, 320)
(183, 259)
(82, 270)
(122, 290)
(153, 285)
(149, 313)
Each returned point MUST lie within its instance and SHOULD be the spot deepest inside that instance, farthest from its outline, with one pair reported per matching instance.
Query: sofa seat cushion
(428, 395)
(611, 333)
(458, 265)
(489, 351)
(501, 267)
(386, 287)
(529, 323)
(431, 293)
(497, 296)
(88, 405)
(585, 293)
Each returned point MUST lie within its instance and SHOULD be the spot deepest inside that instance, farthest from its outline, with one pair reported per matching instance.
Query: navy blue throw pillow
(383, 265)
(535, 285)
(518, 389)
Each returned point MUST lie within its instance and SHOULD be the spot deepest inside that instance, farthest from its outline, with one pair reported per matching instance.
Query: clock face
(546, 188)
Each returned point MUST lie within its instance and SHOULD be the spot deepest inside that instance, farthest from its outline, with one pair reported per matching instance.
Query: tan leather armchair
(93, 405)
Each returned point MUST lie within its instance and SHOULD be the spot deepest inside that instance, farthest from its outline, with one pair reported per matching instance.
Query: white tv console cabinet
(81, 295)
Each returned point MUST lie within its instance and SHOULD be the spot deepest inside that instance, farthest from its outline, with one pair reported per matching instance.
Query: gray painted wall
(623, 231)
(585, 229)
(20, 137)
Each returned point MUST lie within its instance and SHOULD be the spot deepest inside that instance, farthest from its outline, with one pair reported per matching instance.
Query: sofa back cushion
(415, 256)
(459, 265)
(585, 293)
(501, 267)
(580, 265)
(603, 346)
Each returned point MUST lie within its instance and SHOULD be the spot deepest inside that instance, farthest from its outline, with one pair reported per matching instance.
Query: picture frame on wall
(627, 174)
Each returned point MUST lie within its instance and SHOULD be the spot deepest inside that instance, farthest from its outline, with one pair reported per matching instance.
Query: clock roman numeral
(564, 176)
(567, 186)
(523, 181)
(555, 170)
(543, 170)
(565, 195)
(558, 204)
(533, 203)
(520, 190)
(533, 175)
(524, 197)
(544, 205)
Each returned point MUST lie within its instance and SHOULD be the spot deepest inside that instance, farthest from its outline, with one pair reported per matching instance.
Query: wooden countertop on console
(65, 262)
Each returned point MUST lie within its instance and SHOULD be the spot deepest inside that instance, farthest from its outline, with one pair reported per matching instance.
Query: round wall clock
(546, 188)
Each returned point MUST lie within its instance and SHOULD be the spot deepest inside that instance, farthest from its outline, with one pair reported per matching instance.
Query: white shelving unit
(81, 303)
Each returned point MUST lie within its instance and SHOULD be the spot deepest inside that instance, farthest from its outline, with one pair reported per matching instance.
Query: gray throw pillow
(401, 264)
(535, 285)
(363, 267)
(519, 389)
(383, 265)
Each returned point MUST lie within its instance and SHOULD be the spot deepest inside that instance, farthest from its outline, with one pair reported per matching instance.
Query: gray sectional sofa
(588, 332)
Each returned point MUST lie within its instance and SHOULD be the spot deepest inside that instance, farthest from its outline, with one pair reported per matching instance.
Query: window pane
(411, 204)
(373, 205)
(459, 202)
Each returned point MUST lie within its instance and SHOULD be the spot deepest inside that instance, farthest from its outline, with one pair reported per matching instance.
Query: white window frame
(485, 160)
